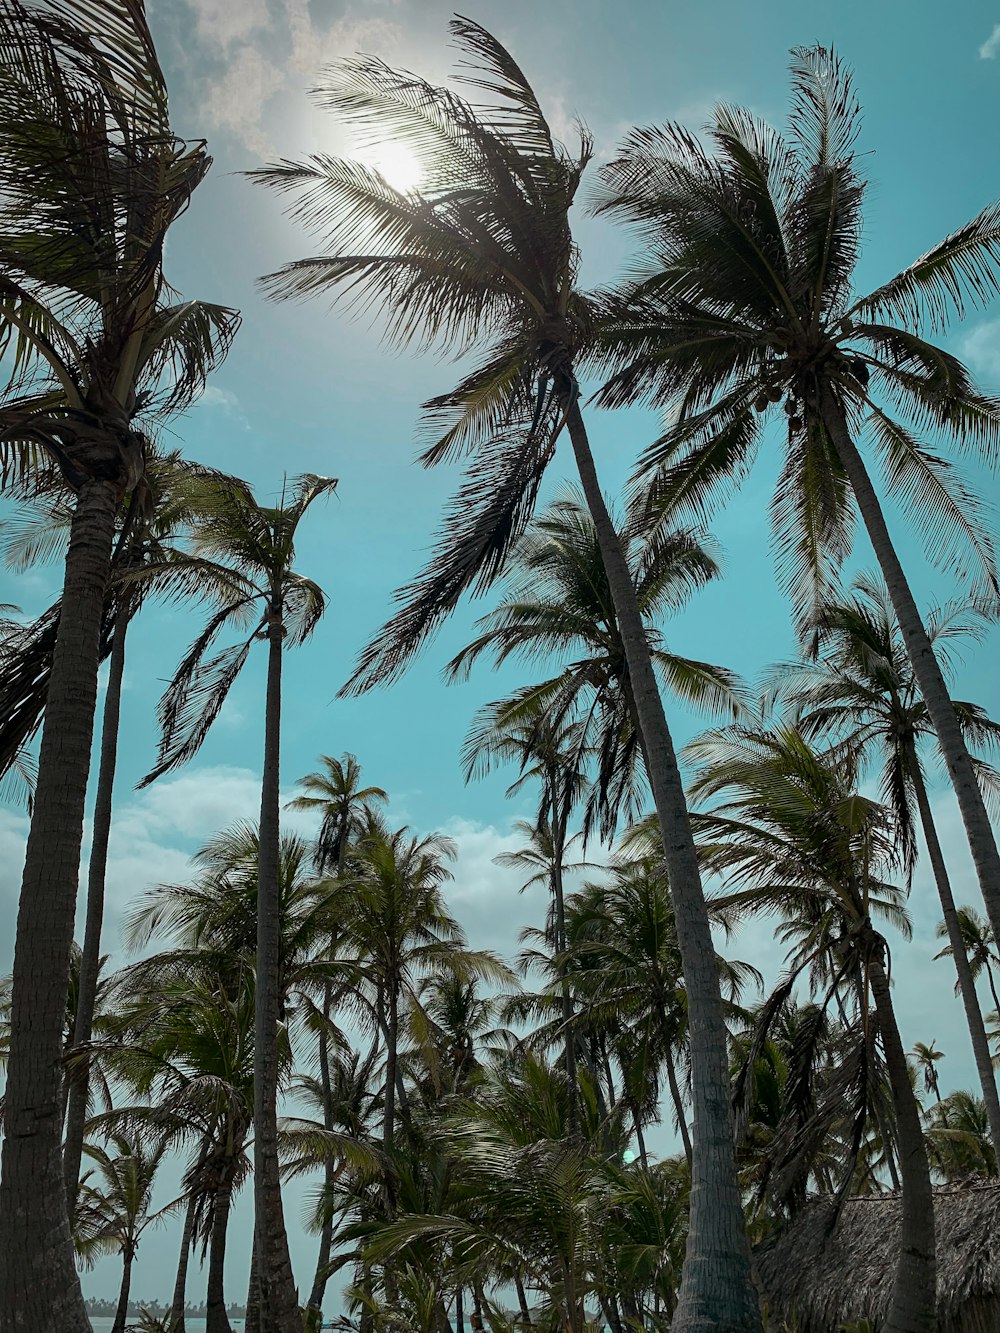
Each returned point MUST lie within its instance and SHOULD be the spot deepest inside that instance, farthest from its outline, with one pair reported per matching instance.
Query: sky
(307, 388)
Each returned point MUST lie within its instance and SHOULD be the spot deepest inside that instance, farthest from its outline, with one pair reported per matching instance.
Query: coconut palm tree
(181, 1045)
(927, 1058)
(864, 692)
(958, 1138)
(256, 542)
(91, 178)
(337, 795)
(747, 303)
(978, 943)
(113, 1215)
(483, 252)
(792, 836)
(557, 601)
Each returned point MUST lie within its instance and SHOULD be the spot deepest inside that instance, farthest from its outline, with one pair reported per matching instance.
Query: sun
(396, 164)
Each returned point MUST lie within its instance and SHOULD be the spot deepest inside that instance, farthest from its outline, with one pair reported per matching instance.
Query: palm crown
(482, 248)
(746, 301)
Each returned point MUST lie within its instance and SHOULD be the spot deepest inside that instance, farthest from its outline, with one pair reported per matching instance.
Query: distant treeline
(106, 1309)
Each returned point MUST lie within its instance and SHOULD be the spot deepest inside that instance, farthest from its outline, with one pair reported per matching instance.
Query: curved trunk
(279, 1299)
(39, 1286)
(912, 1309)
(966, 982)
(216, 1318)
(925, 665)
(90, 958)
(717, 1289)
(121, 1314)
(175, 1320)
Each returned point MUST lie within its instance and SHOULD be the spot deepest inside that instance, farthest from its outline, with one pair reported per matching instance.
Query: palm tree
(864, 691)
(748, 304)
(793, 836)
(552, 748)
(977, 941)
(484, 250)
(557, 601)
(337, 795)
(115, 1216)
(927, 1058)
(958, 1139)
(181, 1043)
(257, 542)
(91, 178)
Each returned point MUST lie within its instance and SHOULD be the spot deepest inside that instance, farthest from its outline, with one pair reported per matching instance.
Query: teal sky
(306, 388)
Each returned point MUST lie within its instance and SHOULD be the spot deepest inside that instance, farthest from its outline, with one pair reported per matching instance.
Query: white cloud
(989, 48)
(269, 47)
(980, 347)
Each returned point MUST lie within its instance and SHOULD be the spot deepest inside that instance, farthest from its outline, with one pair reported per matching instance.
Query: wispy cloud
(989, 48)
(980, 347)
(249, 54)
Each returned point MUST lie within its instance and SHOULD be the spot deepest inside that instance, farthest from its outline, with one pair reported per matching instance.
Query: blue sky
(307, 389)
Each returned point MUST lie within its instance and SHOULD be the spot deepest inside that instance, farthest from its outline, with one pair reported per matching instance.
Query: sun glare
(396, 163)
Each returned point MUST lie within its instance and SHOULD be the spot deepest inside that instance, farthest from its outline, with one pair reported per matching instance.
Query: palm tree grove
(564, 899)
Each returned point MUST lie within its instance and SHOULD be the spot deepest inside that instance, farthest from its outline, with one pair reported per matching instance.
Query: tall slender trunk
(992, 984)
(121, 1314)
(522, 1301)
(90, 958)
(925, 665)
(216, 1318)
(391, 1047)
(314, 1306)
(912, 1309)
(559, 900)
(678, 1101)
(39, 1286)
(717, 1290)
(279, 1299)
(176, 1322)
(966, 981)
(252, 1322)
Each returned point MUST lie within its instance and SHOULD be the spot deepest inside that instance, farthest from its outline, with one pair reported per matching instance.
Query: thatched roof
(816, 1279)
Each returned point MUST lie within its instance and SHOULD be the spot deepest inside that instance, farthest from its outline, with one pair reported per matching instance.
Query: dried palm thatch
(816, 1278)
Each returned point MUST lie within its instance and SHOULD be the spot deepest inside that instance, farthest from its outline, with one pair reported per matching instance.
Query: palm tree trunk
(925, 665)
(252, 1320)
(39, 1286)
(522, 1301)
(314, 1306)
(216, 1318)
(121, 1314)
(678, 1101)
(912, 1309)
(966, 981)
(90, 959)
(175, 1321)
(558, 842)
(717, 1290)
(391, 1046)
(279, 1299)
